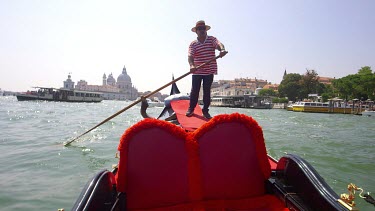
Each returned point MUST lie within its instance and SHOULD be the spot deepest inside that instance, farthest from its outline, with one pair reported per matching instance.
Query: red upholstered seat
(153, 165)
(233, 158)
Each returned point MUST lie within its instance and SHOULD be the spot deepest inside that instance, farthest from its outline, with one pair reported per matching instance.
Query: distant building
(237, 87)
(274, 87)
(69, 84)
(325, 80)
(122, 89)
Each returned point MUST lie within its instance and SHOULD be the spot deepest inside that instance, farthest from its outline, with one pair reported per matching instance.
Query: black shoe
(207, 115)
(189, 112)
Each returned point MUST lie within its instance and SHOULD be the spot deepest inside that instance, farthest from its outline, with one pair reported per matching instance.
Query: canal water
(38, 173)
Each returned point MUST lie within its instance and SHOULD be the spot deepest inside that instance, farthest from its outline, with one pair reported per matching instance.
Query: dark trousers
(196, 86)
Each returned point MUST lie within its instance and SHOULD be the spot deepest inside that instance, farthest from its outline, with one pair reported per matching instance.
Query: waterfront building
(237, 87)
(241, 92)
(112, 89)
(274, 87)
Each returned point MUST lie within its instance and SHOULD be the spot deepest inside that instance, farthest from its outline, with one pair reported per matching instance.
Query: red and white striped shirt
(202, 52)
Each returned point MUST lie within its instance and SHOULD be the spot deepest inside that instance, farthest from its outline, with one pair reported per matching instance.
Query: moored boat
(242, 101)
(328, 107)
(370, 109)
(289, 107)
(368, 113)
(64, 95)
(316, 107)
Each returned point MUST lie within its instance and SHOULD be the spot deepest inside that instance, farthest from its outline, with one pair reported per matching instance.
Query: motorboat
(328, 107)
(370, 113)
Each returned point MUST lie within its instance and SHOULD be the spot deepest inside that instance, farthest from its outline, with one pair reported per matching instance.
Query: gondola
(192, 163)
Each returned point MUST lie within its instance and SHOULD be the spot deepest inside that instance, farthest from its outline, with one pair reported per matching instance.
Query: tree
(366, 87)
(326, 91)
(267, 92)
(325, 97)
(290, 86)
(360, 85)
(309, 83)
(365, 70)
(279, 100)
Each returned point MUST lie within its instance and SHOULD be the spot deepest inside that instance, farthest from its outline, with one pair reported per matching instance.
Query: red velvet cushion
(153, 169)
(233, 158)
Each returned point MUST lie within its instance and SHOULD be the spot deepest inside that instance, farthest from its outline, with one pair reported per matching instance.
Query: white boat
(222, 101)
(368, 113)
(333, 106)
(64, 95)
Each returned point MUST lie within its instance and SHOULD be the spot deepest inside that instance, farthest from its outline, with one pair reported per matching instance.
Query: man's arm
(220, 47)
(222, 50)
(191, 63)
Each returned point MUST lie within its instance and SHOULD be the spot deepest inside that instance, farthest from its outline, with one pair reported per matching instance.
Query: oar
(137, 101)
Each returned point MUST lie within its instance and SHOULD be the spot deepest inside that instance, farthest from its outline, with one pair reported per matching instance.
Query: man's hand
(223, 53)
(143, 99)
(193, 68)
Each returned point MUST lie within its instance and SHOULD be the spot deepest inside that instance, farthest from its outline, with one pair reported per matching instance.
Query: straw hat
(200, 23)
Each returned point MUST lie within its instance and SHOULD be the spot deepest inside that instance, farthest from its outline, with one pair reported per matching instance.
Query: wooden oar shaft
(138, 101)
(106, 120)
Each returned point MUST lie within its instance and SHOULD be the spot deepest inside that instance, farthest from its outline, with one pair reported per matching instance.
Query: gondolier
(201, 50)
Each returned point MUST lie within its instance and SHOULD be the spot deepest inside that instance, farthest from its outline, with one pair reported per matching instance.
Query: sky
(42, 41)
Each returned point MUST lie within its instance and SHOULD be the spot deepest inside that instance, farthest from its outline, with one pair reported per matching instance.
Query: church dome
(110, 80)
(124, 77)
(69, 78)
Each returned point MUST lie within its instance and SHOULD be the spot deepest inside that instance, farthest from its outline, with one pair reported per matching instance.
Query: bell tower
(104, 79)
